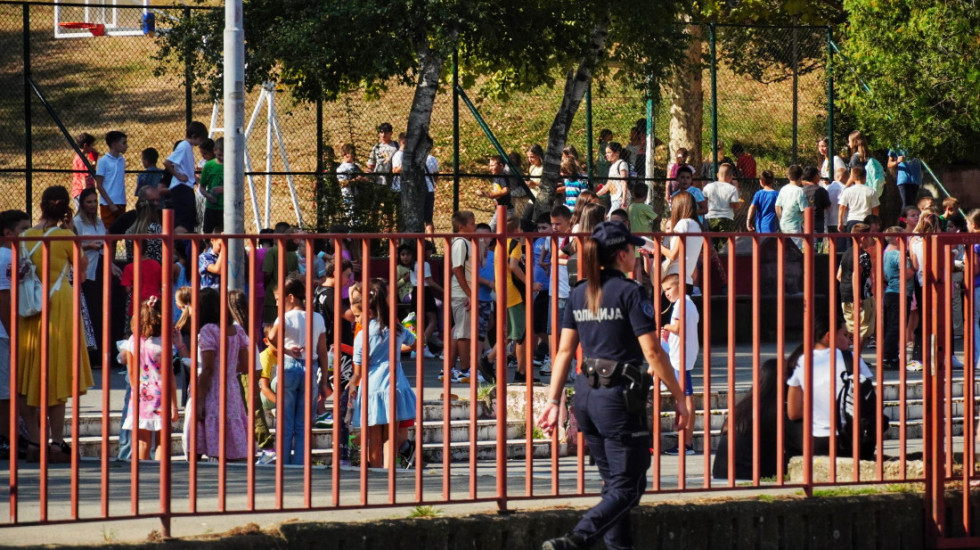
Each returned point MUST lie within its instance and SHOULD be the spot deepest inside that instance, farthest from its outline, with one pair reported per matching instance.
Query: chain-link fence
(769, 96)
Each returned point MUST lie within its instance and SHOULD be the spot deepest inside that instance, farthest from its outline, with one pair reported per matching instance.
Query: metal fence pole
(588, 130)
(830, 100)
(318, 193)
(28, 137)
(796, 93)
(189, 81)
(714, 99)
(651, 147)
(455, 130)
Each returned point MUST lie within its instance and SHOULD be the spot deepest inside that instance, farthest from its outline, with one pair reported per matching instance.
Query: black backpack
(867, 424)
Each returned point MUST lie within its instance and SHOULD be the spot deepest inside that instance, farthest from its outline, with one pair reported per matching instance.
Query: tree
(323, 48)
(921, 62)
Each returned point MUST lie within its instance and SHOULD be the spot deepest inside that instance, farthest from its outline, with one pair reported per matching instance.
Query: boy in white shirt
(12, 223)
(181, 164)
(672, 334)
(834, 189)
(110, 178)
(722, 199)
(857, 201)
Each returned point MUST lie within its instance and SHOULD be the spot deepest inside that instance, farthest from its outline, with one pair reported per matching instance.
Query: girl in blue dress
(378, 390)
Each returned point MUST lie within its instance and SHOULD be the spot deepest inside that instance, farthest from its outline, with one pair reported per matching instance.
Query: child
(561, 224)
(834, 189)
(485, 317)
(845, 275)
(516, 301)
(152, 175)
(80, 177)
(762, 212)
(110, 178)
(180, 163)
(144, 374)
(209, 263)
(722, 199)
(182, 299)
(296, 421)
(893, 265)
(874, 223)
(431, 308)
(857, 201)
(951, 207)
(342, 317)
(238, 307)
(620, 215)
(641, 221)
(461, 282)
(12, 223)
(371, 360)
(348, 172)
(572, 182)
(671, 333)
(403, 272)
(212, 176)
(204, 406)
(909, 219)
(541, 304)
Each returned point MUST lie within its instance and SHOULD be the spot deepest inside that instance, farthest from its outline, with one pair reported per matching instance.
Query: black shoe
(486, 369)
(568, 542)
(521, 378)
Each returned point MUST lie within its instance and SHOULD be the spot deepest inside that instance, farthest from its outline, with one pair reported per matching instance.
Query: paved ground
(484, 479)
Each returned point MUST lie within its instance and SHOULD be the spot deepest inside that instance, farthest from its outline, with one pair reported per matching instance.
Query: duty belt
(636, 383)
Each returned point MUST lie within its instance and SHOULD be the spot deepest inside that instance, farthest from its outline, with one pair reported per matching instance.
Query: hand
(352, 391)
(181, 177)
(296, 352)
(536, 287)
(548, 419)
(174, 413)
(682, 414)
(663, 333)
(116, 209)
(467, 304)
(219, 190)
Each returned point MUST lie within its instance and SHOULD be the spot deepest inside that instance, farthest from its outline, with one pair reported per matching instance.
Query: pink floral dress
(150, 390)
(236, 427)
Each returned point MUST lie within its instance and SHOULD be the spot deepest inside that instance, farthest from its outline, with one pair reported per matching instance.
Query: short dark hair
(859, 172)
(811, 173)
(150, 155)
(207, 145)
(85, 138)
(384, 127)
(196, 129)
(685, 169)
(461, 218)
(794, 172)
(10, 218)
(768, 177)
(561, 211)
(114, 136)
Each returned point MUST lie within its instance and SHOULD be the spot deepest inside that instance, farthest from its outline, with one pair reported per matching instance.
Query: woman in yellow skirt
(63, 314)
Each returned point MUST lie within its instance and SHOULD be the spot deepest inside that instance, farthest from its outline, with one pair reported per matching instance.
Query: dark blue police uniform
(618, 440)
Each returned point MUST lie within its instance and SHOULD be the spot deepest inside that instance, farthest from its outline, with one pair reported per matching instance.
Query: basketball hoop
(97, 29)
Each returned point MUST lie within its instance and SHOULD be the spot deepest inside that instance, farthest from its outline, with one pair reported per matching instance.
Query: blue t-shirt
(765, 211)
(626, 311)
(541, 274)
(486, 272)
(892, 266)
(909, 171)
(573, 188)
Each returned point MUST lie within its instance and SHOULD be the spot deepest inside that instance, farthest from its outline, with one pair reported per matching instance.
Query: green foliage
(425, 512)
(921, 62)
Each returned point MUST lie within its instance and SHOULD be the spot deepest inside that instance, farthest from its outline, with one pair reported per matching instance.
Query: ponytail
(589, 262)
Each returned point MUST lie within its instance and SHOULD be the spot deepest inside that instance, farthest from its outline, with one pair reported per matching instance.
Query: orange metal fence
(450, 419)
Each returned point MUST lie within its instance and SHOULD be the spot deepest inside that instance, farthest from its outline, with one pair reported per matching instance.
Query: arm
(563, 360)
(321, 355)
(670, 251)
(178, 175)
(794, 403)
(874, 210)
(779, 212)
(703, 207)
(102, 192)
(5, 309)
(841, 217)
(265, 386)
(460, 273)
(750, 217)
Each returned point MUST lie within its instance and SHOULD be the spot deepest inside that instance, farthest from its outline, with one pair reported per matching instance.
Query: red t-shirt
(150, 279)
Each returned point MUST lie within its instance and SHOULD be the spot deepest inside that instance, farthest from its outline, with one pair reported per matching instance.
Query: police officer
(613, 319)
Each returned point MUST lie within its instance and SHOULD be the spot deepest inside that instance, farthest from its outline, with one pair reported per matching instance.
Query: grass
(425, 512)
(99, 84)
(485, 391)
(845, 492)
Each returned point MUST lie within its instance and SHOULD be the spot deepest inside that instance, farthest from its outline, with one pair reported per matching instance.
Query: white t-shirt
(97, 229)
(792, 199)
(5, 259)
(617, 191)
(692, 247)
(461, 255)
(720, 196)
(563, 286)
(113, 171)
(294, 333)
(431, 166)
(834, 189)
(691, 318)
(396, 163)
(822, 402)
(859, 200)
(427, 271)
(183, 160)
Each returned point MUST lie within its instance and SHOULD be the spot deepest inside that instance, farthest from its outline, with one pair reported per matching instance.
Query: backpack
(875, 175)
(30, 294)
(867, 424)
(514, 243)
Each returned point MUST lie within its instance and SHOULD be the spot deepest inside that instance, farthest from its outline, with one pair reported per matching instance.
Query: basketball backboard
(88, 18)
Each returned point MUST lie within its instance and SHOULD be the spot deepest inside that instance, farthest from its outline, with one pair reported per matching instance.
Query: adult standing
(431, 178)
(62, 316)
(817, 197)
(826, 170)
(535, 167)
(379, 161)
(612, 392)
(88, 223)
(618, 178)
(602, 164)
(908, 175)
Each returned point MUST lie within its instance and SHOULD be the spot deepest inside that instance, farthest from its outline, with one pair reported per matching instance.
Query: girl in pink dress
(144, 374)
(206, 401)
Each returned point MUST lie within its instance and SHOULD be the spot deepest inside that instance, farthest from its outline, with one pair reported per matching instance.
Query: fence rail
(478, 442)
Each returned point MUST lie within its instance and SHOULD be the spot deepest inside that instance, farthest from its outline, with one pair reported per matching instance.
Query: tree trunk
(687, 102)
(576, 84)
(418, 143)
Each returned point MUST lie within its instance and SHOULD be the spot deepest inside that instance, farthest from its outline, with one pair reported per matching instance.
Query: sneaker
(325, 420)
(486, 370)
(914, 365)
(266, 457)
(480, 380)
(957, 364)
(521, 378)
(674, 451)
(406, 455)
(460, 377)
(427, 354)
(538, 361)
(568, 542)
(545, 368)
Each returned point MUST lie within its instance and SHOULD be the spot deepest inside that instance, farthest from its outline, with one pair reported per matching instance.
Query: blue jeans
(126, 436)
(295, 422)
(620, 444)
